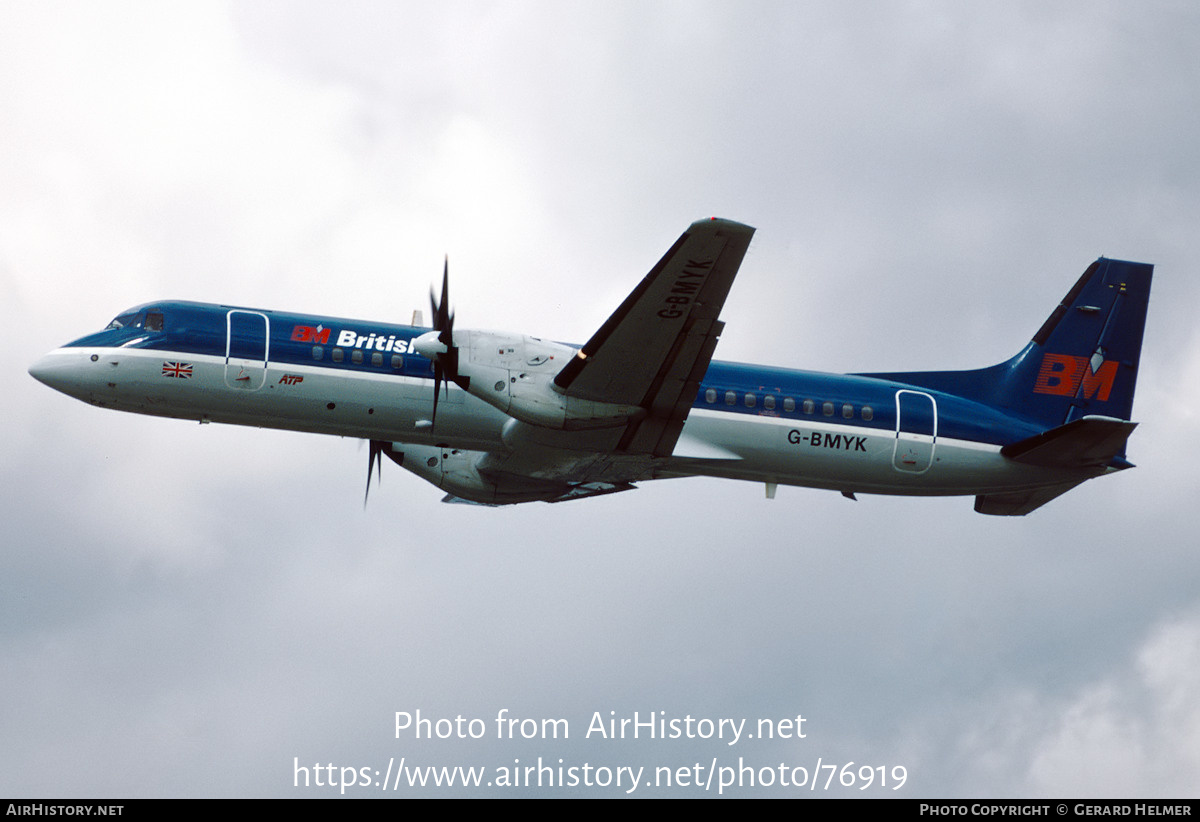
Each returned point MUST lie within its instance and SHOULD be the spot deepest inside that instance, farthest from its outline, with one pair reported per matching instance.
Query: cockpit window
(123, 321)
(154, 321)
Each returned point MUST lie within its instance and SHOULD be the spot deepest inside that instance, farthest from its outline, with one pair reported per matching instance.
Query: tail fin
(1082, 361)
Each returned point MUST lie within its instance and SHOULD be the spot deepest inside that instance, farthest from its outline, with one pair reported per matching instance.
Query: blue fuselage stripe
(314, 341)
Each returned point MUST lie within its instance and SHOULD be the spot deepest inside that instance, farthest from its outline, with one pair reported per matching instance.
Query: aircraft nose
(43, 370)
(57, 370)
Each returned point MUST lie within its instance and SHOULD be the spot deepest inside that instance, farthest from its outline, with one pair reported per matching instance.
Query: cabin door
(247, 349)
(916, 431)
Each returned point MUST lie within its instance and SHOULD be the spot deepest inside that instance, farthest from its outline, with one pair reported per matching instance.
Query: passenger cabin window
(750, 400)
(397, 362)
(338, 355)
(789, 404)
(769, 402)
(847, 411)
(356, 357)
(809, 406)
(318, 352)
(867, 413)
(731, 398)
(376, 358)
(710, 395)
(827, 409)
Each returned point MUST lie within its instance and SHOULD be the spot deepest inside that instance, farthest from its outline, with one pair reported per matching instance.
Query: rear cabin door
(916, 431)
(247, 349)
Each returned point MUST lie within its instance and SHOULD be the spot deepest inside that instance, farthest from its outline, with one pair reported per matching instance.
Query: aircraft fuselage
(497, 418)
(360, 379)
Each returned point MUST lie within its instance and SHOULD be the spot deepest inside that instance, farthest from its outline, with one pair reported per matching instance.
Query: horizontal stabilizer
(1090, 442)
(1020, 503)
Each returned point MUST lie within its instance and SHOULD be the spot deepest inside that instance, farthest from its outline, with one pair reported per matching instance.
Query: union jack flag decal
(179, 370)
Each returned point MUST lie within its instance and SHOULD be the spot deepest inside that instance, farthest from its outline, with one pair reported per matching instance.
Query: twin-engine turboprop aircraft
(496, 418)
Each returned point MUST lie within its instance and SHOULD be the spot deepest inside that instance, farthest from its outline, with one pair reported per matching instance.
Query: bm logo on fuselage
(1064, 375)
(306, 333)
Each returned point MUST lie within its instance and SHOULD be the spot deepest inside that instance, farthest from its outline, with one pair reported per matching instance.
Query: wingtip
(722, 223)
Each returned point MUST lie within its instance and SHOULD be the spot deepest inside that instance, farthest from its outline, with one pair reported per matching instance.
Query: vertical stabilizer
(1084, 358)
(1082, 361)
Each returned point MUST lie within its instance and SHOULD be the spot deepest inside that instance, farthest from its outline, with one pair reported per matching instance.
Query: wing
(654, 350)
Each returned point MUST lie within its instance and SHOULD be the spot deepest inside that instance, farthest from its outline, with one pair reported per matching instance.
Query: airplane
(498, 418)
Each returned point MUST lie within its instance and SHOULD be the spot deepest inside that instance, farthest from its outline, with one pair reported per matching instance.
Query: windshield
(151, 320)
(122, 321)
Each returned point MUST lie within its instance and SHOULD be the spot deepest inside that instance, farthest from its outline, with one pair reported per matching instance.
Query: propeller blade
(445, 366)
(437, 389)
(445, 320)
(374, 455)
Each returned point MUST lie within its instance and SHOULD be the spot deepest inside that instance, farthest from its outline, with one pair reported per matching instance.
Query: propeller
(438, 346)
(445, 355)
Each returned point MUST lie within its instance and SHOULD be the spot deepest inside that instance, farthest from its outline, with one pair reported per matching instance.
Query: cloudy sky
(190, 611)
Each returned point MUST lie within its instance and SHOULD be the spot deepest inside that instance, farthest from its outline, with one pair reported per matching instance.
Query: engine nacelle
(515, 373)
(457, 471)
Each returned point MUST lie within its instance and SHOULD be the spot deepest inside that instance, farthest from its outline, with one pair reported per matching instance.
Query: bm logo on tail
(1063, 375)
